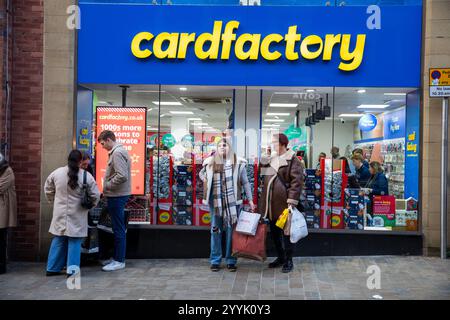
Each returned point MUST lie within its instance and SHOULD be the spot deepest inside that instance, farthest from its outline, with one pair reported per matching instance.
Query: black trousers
(282, 243)
(3, 237)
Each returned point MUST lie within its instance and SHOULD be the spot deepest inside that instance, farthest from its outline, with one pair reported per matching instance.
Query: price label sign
(439, 82)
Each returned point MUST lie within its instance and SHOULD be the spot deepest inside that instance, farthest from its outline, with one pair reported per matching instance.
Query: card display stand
(183, 193)
(311, 198)
(162, 181)
(394, 166)
(355, 209)
(332, 199)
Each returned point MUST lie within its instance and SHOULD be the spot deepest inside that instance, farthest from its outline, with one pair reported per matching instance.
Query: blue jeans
(64, 249)
(116, 208)
(217, 230)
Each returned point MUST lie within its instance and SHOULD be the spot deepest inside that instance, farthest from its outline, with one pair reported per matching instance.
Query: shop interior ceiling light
(310, 90)
(278, 114)
(183, 89)
(194, 119)
(273, 120)
(283, 105)
(350, 115)
(181, 112)
(361, 91)
(271, 125)
(395, 94)
(372, 106)
(168, 103)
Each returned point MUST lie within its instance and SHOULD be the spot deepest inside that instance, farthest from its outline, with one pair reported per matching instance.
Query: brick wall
(26, 123)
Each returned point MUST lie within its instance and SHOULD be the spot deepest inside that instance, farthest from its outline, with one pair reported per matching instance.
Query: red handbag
(250, 247)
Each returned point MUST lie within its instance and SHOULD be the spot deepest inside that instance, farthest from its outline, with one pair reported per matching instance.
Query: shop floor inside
(312, 278)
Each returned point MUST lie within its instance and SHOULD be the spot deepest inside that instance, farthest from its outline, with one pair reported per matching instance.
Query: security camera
(342, 120)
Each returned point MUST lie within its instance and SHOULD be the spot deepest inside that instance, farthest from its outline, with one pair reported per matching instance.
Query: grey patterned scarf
(223, 196)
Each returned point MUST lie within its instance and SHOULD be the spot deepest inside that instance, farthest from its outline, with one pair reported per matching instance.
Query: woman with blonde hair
(378, 181)
(224, 175)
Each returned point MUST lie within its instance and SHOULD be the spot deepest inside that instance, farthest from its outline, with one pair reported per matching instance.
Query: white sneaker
(113, 266)
(106, 262)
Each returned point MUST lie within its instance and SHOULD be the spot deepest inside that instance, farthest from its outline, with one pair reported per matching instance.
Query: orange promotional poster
(129, 126)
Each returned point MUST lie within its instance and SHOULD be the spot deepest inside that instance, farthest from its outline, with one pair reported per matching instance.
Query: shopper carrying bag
(248, 223)
(224, 175)
(64, 190)
(251, 246)
(298, 227)
(282, 175)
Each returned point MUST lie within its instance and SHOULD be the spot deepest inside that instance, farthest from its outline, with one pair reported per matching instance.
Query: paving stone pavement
(312, 278)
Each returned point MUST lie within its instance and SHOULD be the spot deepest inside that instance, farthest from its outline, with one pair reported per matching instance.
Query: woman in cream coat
(69, 225)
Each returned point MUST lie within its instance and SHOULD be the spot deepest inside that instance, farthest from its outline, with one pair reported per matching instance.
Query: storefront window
(192, 120)
(359, 147)
(386, 135)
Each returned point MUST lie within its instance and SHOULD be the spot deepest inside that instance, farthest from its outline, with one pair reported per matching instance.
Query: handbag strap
(286, 184)
(85, 186)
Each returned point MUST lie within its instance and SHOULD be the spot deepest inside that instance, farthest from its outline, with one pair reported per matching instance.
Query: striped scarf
(223, 196)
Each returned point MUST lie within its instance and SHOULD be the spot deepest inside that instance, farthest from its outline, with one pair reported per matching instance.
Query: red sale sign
(129, 126)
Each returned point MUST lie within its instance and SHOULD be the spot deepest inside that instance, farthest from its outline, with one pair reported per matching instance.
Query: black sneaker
(288, 266)
(232, 267)
(278, 262)
(51, 273)
(215, 267)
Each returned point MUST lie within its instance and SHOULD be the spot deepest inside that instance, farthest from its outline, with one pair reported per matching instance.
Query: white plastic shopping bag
(248, 223)
(299, 229)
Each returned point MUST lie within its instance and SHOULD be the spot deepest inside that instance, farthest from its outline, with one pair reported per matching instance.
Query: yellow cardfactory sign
(217, 45)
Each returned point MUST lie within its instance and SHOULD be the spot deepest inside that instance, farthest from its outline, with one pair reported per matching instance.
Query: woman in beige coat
(69, 225)
(8, 207)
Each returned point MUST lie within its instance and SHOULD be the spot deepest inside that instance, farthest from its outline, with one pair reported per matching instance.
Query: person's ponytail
(73, 163)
